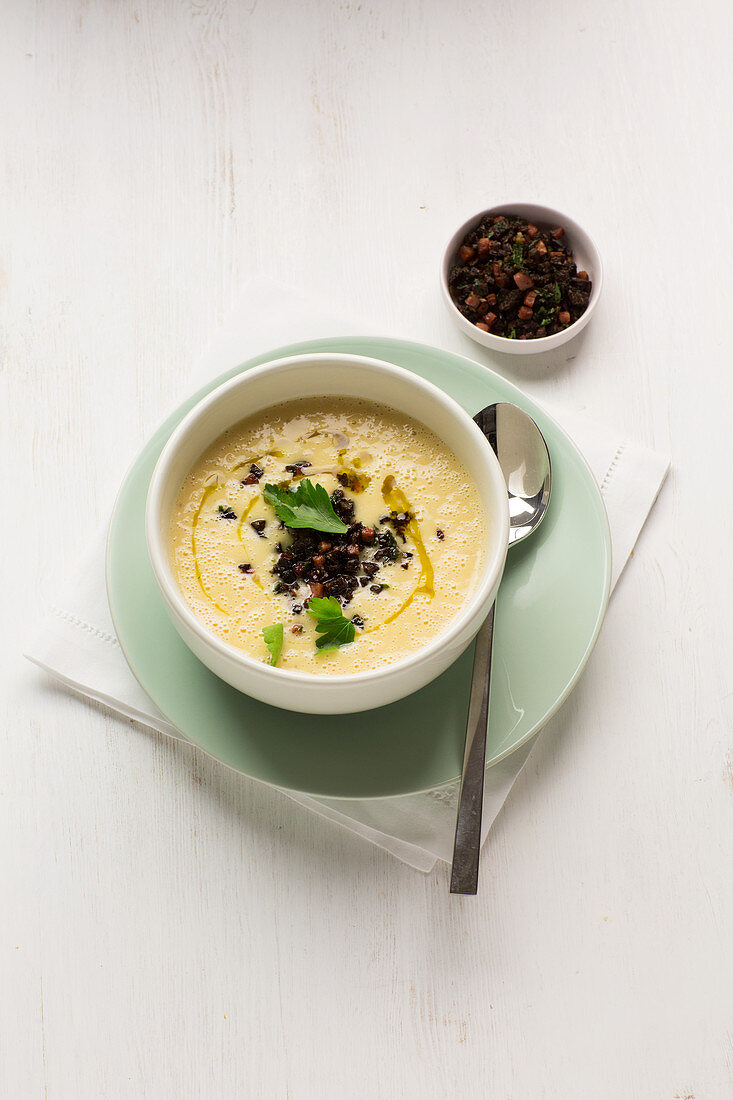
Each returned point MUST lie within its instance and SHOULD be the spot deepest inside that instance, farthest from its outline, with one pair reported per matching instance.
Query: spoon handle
(467, 845)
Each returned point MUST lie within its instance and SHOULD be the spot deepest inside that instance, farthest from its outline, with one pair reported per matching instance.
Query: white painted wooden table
(169, 929)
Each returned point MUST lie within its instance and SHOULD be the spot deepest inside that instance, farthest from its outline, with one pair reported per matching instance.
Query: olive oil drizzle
(249, 461)
(205, 496)
(255, 579)
(396, 501)
(245, 513)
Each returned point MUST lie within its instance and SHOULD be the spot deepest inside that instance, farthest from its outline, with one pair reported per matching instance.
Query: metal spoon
(525, 462)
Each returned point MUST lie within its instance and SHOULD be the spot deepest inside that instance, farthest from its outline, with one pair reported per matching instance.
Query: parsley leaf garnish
(331, 623)
(273, 636)
(307, 506)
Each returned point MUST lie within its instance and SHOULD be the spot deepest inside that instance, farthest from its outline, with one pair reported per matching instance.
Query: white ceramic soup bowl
(311, 376)
(585, 254)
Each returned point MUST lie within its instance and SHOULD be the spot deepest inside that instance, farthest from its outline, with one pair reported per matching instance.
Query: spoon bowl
(525, 463)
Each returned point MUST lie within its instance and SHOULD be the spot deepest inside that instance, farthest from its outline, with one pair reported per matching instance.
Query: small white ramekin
(585, 254)
(310, 376)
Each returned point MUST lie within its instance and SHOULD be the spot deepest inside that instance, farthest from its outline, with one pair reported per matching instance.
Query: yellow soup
(412, 555)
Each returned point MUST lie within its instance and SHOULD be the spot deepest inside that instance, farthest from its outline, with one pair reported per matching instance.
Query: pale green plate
(550, 608)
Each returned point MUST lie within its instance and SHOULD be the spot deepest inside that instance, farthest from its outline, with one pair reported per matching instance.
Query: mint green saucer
(550, 608)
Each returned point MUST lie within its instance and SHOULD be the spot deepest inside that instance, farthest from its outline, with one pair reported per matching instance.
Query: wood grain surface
(169, 929)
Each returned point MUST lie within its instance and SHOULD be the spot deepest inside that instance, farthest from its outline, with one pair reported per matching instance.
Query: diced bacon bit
(582, 275)
(496, 269)
(489, 320)
(530, 298)
(466, 253)
(539, 249)
(563, 317)
(490, 299)
(482, 326)
(523, 280)
(525, 313)
(556, 257)
(502, 281)
(484, 246)
(473, 301)
(532, 230)
(556, 234)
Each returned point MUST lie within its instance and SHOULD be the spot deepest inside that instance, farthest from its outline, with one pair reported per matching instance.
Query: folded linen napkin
(76, 642)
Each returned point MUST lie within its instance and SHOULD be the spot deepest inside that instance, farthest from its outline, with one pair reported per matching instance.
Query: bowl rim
(174, 598)
(503, 343)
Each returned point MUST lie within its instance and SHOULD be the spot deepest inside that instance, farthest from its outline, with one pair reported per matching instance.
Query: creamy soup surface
(422, 542)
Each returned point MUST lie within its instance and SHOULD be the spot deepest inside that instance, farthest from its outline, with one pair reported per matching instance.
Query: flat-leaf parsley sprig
(273, 636)
(307, 506)
(334, 628)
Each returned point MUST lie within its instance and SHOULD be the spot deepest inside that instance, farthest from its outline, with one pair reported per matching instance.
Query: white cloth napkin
(76, 642)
